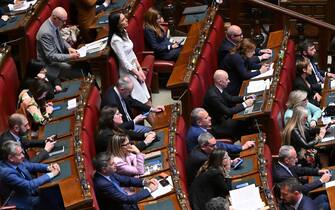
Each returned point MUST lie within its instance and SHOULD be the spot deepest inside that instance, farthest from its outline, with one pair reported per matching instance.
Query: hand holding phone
(146, 113)
(56, 108)
(236, 165)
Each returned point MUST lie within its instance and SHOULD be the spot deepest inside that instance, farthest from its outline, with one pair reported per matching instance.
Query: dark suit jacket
(299, 84)
(312, 78)
(26, 187)
(224, 49)
(194, 161)
(209, 184)
(2, 12)
(112, 99)
(280, 174)
(238, 70)
(298, 141)
(306, 204)
(160, 45)
(104, 136)
(192, 141)
(42, 155)
(111, 198)
(217, 104)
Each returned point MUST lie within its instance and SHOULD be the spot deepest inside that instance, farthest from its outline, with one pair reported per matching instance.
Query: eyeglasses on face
(126, 144)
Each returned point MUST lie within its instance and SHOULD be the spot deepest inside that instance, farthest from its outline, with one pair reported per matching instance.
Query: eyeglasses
(126, 144)
(236, 35)
(64, 21)
(211, 145)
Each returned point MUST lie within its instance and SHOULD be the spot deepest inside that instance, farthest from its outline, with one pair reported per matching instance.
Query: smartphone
(164, 182)
(146, 113)
(181, 41)
(56, 108)
(52, 138)
(235, 166)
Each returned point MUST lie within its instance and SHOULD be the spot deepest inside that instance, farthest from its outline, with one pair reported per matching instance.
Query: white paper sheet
(265, 74)
(71, 104)
(246, 198)
(258, 85)
(24, 6)
(163, 190)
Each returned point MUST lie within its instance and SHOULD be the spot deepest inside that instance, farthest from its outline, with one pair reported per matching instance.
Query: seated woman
(111, 123)
(238, 65)
(156, 37)
(301, 137)
(304, 69)
(32, 101)
(299, 98)
(128, 63)
(212, 180)
(128, 158)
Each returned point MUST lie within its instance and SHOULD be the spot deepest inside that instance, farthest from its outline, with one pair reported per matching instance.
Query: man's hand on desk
(249, 102)
(4, 17)
(49, 145)
(54, 169)
(152, 184)
(248, 145)
(324, 171)
(252, 96)
(159, 108)
(265, 56)
(73, 53)
(331, 75)
(149, 137)
(326, 177)
(267, 51)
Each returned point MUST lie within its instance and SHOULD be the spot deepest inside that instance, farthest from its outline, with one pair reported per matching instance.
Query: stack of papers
(93, 47)
(25, 5)
(332, 84)
(246, 198)
(258, 85)
(71, 104)
(265, 74)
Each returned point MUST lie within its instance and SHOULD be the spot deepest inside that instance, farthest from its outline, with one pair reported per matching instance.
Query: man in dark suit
(201, 123)
(18, 129)
(53, 51)
(292, 197)
(119, 96)
(218, 104)
(108, 185)
(234, 36)
(16, 183)
(199, 155)
(286, 168)
(317, 78)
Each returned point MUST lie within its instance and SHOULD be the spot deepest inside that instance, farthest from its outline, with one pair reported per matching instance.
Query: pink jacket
(132, 165)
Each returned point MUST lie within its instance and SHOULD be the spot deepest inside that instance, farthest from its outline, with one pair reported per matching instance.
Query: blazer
(281, 174)
(104, 136)
(192, 141)
(51, 49)
(112, 99)
(161, 46)
(218, 104)
(224, 49)
(109, 195)
(132, 165)
(312, 78)
(306, 203)
(195, 160)
(298, 141)
(238, 69)
(25, 143)
(207, 185)
(314, 113)
(25, 188)
(299, 84)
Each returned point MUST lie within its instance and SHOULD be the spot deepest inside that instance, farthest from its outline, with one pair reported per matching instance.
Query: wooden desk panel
(169, 202)
(249, 166)
(71, 120)
(65, 154)
(161, 119)
(163, 142)
(252, 150)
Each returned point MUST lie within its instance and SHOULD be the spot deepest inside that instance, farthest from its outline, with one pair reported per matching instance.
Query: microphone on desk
(4, 44)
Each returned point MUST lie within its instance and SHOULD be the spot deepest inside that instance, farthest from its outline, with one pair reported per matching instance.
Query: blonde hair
(150, 21)
(296, 98)
(295, 122)
(115, 144)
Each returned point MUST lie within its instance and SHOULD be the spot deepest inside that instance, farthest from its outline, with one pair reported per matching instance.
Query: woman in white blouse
(128, 63)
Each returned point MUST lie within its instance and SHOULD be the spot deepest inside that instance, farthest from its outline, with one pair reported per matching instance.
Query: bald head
(59, 17)
(221, 78)
(234, 33)
(18, 124)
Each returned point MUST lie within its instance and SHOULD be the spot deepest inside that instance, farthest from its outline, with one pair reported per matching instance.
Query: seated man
(316, 79)
(199, 155)
(201, 123)
(119, 96)
(16, 182)
(18, 129)
(218, 103)
(53, 51)
(234, 36)
(291, 195)
(286, 168)
(108, 185)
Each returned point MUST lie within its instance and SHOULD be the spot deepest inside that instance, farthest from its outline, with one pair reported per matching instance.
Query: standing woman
(156, 37)
(212, 180)
(128, 63)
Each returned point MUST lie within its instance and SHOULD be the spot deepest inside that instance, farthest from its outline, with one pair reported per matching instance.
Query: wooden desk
(73, 88)
(68, 143)
(322, 188)
(53, 127)
(249, 166)
(163, 142)
(161, 119)
(163, 159)
(331, 196)
(165, 203)
(252, 150)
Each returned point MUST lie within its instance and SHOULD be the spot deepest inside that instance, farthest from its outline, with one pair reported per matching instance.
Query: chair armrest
(147, 52)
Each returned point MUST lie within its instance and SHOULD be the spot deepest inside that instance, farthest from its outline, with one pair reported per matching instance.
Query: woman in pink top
(129, 160)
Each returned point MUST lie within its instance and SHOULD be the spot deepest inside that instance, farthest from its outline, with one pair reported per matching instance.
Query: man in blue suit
(201, 122)
(16, 183)
(108, 185)
(292, 197)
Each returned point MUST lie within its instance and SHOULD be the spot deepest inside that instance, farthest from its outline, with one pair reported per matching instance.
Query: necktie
(124, 107)
(20, 172)
(59, 40)
(317, 73)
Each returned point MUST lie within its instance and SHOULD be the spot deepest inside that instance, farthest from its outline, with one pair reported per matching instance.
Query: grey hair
(101, 160)
(195, 115)
(284, 152)
(9, 148)
(204, 138)
(124, 82)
